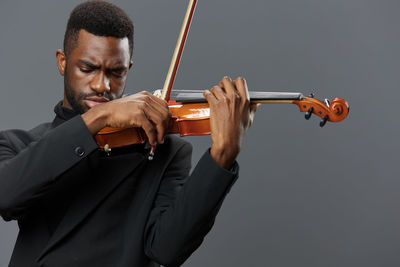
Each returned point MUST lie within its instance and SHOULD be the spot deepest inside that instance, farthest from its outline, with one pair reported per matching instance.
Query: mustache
(84, 96)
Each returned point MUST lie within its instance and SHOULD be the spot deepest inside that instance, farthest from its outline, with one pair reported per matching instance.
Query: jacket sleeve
(29, 174)
(185, 207)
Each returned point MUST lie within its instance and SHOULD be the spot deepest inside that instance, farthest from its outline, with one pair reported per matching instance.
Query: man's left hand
(231, 114)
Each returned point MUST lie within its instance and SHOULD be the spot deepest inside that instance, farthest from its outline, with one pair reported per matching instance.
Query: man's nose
(100, 83)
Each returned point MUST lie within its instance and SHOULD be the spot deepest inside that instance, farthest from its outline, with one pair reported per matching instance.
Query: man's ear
(61, 61)
(130, 64)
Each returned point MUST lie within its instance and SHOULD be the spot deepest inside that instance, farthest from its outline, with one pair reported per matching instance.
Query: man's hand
(231, 114)
(141, 110)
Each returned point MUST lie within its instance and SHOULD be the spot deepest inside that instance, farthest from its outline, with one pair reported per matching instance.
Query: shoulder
(41, 129)
(18, 139)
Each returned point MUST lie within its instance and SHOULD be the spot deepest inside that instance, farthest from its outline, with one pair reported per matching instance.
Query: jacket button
(79, 151)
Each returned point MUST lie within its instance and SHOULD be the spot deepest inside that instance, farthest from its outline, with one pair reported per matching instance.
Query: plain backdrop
(306, 196)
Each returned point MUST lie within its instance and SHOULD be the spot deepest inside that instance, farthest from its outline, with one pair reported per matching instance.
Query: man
(79, 206)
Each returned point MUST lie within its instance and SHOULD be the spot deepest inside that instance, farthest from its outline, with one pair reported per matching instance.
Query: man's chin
(80, 108)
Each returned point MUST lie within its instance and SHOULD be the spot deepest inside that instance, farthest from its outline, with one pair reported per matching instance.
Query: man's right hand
(142, 110)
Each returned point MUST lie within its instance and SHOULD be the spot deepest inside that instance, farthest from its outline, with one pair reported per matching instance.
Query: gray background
(306, 196)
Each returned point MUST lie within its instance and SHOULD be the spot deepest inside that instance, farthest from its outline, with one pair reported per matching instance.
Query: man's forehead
(93, 45)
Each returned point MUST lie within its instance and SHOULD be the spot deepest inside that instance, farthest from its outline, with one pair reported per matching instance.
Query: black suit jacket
(49, 182)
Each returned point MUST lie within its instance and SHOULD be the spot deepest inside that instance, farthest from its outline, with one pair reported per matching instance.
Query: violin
(191, 113)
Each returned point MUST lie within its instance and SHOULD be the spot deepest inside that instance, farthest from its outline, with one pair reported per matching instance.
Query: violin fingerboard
(196, 96)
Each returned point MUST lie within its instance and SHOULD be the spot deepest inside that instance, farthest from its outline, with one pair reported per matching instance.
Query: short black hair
(99, 18)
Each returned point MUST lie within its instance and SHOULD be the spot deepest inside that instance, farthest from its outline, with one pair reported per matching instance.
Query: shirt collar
(63, 114)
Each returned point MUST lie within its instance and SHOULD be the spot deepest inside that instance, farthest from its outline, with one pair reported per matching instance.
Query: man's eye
(117, 74)
(86, 70)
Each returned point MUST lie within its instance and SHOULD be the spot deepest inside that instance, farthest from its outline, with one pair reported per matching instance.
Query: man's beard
(73, 99)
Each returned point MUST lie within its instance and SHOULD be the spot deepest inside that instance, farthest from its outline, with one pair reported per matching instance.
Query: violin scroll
(334, 111)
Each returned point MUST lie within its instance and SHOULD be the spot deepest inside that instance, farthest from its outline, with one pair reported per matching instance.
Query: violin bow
(176, 58)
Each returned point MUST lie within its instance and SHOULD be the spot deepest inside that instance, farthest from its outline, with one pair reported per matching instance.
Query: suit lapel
(112, 172)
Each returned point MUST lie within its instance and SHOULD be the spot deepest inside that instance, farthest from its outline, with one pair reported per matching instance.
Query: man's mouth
(94, 101)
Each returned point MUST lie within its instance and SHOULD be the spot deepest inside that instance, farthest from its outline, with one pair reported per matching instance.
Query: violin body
(187, 119)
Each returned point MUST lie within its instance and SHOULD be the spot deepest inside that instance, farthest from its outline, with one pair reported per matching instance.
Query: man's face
(95, 71)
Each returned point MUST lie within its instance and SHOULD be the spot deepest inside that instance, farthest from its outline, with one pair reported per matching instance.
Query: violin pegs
(327, 102)
(311, 95)
(323, 121)
(308, 113)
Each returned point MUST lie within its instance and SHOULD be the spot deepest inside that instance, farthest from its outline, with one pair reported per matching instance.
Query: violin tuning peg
(327, 102)
(311, 95)
(323, 121)
(308, 113)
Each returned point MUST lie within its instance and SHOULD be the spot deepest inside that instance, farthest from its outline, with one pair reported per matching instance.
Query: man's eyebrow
(119, 68)
(89, 64)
